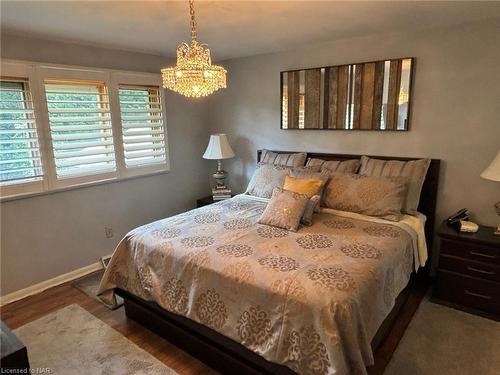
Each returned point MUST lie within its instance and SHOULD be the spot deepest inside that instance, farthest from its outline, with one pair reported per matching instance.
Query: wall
(455, 109)
(48, 235)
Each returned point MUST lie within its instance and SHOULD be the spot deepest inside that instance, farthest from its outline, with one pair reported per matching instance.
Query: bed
(255, 299)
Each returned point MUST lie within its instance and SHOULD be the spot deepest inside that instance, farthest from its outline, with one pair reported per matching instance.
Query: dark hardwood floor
(31, 308)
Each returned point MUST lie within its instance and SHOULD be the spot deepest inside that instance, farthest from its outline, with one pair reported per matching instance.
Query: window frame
(26, 72)
(138, 79)
(36, 74)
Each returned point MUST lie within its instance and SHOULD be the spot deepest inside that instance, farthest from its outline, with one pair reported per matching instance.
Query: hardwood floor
(31, 308)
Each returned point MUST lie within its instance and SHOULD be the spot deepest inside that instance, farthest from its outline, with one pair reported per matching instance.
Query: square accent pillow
(296, 159)
(285, 209)
(382, 197)
(268, 176)
(415, 170)
(324, 176)
(307, 186)
(346, 166)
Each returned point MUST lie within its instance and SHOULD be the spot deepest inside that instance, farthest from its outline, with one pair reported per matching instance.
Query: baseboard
(58, 280)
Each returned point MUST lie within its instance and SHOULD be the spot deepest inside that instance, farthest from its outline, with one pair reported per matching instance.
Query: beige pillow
(268, 176)
(285, 209)
(346, 166)
(296, 159)
(415, 170)
(368, 195)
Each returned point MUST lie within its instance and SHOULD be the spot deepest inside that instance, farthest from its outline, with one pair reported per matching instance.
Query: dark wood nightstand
(469, 271)
(205, 201)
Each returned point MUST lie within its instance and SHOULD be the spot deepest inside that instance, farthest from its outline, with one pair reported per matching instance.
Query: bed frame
(228, 356)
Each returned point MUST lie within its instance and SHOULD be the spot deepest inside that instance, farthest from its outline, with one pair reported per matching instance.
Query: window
(80, 127)
(142, 125)
(64, 127)
(20, 160)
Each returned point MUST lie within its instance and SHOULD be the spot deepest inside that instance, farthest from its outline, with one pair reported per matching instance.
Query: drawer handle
(480, 271)
(477, 295)
(472, 252)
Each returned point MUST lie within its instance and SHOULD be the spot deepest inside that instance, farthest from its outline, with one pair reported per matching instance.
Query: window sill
(80, 186)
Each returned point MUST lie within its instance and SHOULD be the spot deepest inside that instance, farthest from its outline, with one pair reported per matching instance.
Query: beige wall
(455, 109)
(46, 236)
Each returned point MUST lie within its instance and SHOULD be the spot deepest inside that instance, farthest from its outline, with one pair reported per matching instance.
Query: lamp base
(220, 175)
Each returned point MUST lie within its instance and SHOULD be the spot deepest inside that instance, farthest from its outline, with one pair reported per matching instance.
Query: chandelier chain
(193, 20)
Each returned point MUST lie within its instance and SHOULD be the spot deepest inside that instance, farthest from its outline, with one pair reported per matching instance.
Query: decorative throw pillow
(415, 170)
(368, 195)
(323, 176)
(312, 205)
(296, 159)
(268, 176)
(346, 166)
(307, 186)
(285, 209)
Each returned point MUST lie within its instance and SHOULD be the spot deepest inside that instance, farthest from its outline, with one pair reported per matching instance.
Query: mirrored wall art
(365, 96)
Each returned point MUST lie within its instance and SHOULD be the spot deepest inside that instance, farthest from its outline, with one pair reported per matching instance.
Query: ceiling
(231, 28)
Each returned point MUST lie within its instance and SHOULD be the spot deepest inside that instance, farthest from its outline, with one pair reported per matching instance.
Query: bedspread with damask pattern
(310, 300)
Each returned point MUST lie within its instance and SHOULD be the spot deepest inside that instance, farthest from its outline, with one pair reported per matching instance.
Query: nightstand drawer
(468, 291)
(468, 267)
(470, 250)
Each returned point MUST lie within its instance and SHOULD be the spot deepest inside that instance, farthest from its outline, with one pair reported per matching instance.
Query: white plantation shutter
(142, 125)
(80, 127)
(20, 160)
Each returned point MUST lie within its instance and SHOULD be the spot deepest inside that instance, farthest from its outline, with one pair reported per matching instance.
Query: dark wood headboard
(428, 197)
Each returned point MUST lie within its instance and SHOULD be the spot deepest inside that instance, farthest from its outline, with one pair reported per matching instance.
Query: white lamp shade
(218, 148)
(493, 170)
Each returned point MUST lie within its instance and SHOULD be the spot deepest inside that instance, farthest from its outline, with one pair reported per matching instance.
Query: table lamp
(218, 149)
(493, 173)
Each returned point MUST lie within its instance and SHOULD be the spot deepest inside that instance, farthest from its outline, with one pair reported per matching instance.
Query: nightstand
(469, 271)
(205, 201)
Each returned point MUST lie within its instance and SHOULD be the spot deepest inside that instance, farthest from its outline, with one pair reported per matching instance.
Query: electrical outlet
(108, 231)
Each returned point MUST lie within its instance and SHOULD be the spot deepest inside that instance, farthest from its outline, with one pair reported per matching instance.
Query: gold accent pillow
(307, 186)
(285, 209)
(414, 170)
(296, 159)
(382, 197)
(268, 176)
(346, 166)
(324, 176)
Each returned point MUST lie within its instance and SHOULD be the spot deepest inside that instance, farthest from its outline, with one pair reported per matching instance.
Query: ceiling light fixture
(194, 75)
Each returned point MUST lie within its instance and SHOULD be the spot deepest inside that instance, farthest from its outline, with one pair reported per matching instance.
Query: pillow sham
(268, 176)
(285, 209)
(296, 159)
(368, 195)
(346, 166)
(414, 170)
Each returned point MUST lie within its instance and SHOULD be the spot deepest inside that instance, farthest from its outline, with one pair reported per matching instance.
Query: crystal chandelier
(194, 75)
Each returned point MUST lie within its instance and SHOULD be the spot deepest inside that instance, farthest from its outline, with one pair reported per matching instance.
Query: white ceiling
(231, 28)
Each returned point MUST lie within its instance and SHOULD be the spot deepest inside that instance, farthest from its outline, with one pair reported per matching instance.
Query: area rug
(73, 341)
(444, 341)
(89, 285)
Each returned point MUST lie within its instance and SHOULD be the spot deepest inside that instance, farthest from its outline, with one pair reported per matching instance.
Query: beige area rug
(71, 341)
(444, 341)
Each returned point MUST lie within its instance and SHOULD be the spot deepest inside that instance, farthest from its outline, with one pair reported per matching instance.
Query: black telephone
(462, 214)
